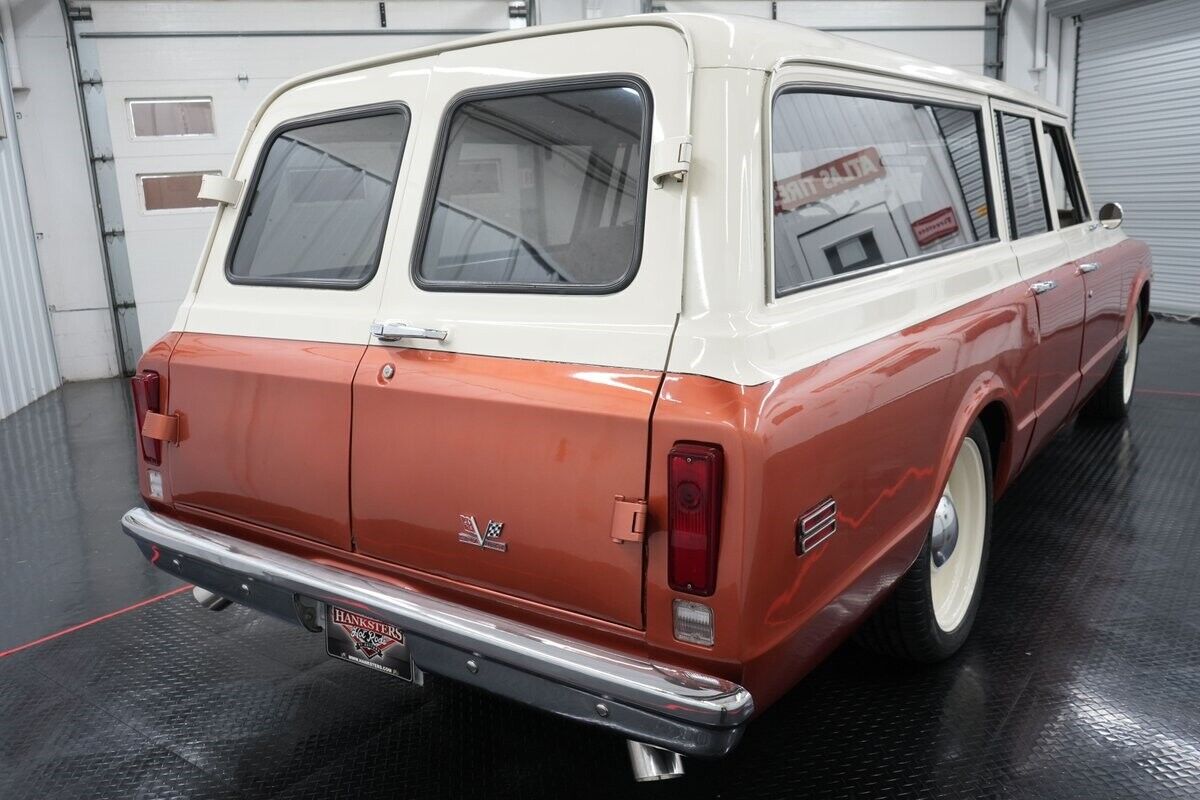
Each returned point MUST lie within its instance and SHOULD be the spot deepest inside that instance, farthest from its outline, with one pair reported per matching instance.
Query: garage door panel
(1138, 136)
(153, 278)
(237, 73)
(273, 58)
(314, 15)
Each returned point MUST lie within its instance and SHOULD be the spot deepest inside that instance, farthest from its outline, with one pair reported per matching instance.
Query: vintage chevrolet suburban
(626, 368)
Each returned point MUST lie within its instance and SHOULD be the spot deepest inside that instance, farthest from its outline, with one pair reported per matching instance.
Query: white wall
(1039, 52)
(60, 198)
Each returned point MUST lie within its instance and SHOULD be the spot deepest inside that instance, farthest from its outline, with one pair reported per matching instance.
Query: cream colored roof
(730, 40)
(755, 43)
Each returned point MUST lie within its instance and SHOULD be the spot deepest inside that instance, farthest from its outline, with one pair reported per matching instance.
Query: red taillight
(146, 398)
(694, 473)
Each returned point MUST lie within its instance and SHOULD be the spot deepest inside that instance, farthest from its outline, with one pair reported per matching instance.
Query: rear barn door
(261, 377)
(551, 263)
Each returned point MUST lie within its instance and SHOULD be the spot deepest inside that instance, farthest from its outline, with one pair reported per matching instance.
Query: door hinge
(220, 189)
(629, 520)
(672, 158)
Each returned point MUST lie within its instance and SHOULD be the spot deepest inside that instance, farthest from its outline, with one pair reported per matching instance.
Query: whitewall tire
(931, 610)
(1115, 395)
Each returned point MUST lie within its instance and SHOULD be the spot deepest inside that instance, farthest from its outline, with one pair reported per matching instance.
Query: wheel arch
(1143, 310)
(989, 400)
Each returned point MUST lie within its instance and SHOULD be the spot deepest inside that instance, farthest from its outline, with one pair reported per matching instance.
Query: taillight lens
(694, 474)
(146, 398)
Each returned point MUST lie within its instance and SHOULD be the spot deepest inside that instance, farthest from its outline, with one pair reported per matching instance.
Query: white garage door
(1138, 134)
(181, 80)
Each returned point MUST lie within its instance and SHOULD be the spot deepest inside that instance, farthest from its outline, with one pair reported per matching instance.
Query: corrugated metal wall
(27, 366)
(1138, 134)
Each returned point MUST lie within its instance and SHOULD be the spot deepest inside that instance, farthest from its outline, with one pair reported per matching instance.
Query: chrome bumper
(684, 711)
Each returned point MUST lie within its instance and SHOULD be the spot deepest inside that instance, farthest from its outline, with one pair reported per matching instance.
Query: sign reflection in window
(864, 181)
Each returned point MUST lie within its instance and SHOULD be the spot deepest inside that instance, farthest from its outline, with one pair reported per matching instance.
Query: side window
(319, 202)
(1027, 211)
(539, 191)
(863, 182)
(1064, 178)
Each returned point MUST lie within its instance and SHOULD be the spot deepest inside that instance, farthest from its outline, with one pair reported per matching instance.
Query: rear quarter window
(319, 201)
(539, 190)
(862, 183)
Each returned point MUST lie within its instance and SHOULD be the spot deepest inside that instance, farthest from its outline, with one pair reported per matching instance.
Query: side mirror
(1111, 215)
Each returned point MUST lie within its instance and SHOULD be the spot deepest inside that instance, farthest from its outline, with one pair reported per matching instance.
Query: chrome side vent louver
(816, 526)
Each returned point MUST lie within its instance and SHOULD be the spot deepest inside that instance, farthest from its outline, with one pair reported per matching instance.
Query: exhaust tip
(652, 763)
(210, 600)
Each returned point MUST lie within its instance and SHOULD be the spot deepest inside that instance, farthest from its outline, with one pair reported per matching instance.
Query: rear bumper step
(674, 708)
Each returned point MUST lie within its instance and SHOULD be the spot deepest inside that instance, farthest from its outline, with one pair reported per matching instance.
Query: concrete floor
(1080, 680)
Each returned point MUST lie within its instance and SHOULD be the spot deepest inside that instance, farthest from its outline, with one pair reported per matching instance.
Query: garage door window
(154, 119)
(865, 183)
(319, 202)
(539, 191)
(173, 192)
(1028, 213)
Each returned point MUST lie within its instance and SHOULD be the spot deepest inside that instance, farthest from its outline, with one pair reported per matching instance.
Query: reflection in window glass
(1064, 180)
(1023, 177)
(320, 202)
(181, 117)
(540, 190)
(173, 192)
(864, 181)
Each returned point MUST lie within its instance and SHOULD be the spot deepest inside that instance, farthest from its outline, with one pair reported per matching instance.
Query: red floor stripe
(1167, 391)
(91, 622)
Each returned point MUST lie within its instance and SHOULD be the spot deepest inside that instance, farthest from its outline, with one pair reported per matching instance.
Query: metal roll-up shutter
(1138, 134)
(28, 368)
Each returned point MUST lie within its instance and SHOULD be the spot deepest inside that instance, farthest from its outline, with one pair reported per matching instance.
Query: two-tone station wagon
(626, 368)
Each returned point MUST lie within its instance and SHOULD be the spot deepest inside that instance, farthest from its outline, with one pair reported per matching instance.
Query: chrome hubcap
(945, 530)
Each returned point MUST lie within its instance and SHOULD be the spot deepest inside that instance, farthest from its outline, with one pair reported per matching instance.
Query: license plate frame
(369, 642)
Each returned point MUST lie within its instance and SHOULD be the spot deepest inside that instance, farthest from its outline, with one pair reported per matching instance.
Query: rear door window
(319, 201)
(862, 183)
(1028, 212)
(539, 191)
(1065, 186)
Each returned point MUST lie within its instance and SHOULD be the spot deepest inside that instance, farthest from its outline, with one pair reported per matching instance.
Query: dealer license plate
(364, 640)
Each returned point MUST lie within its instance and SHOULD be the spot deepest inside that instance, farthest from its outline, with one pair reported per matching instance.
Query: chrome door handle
(1094, 226)
(391, 331)
(1084, 269)
(1041, 287)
